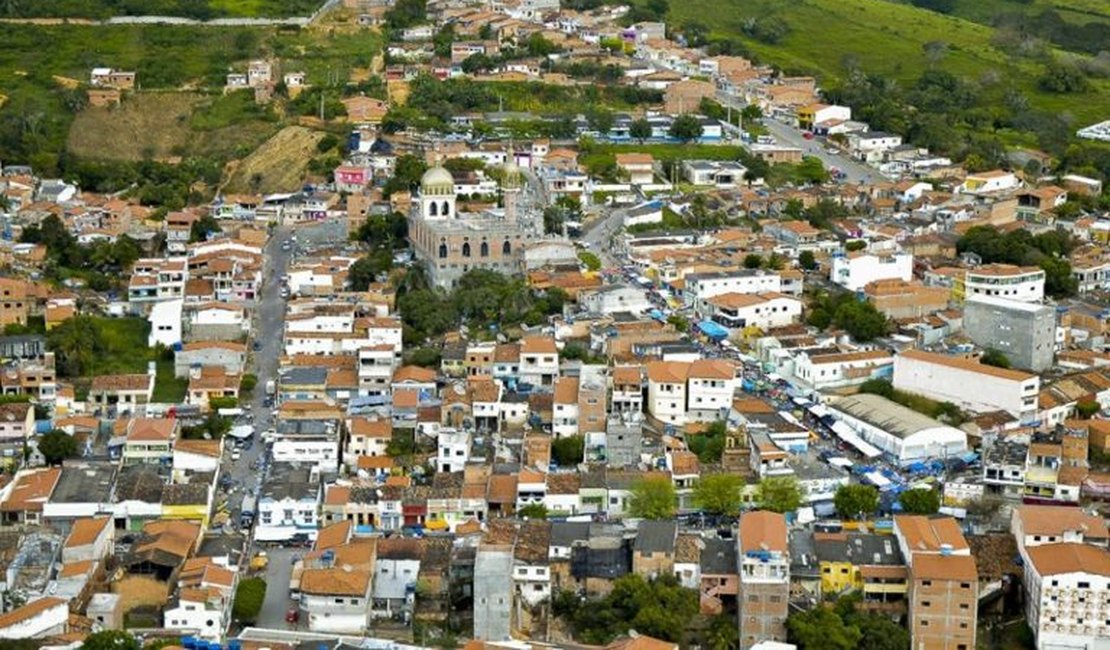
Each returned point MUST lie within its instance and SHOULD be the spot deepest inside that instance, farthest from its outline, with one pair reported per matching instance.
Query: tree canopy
(248, 599)
(660, 608)
(858, 317)
(719, 494)
(1048, 250)
(110, 640)
(568, 451)
(57, 446)
(856, 501)
(920, 501)
(653, 498)
(780, 494)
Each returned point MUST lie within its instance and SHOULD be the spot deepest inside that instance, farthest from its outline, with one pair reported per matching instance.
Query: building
(451, 243)
(813, 114)
(37, 619)
(741, 310)
(722, 174)
(1021, 283)
(944, 582)
(288, 504)
(904, 434)
(701, 286)
(1067, 594)
(897, 299)
(764, 562)
(989, 182)
(493, 593)
(854, 271)
(945, 378)
(863, 562)
(1024, 331)
(831, 370)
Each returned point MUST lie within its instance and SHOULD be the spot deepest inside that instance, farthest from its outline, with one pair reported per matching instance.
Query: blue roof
(713, 330)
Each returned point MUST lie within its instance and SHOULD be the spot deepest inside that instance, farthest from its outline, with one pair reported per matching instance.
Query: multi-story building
(564, 418)
(764, 563)
(1022, 283)
(288, 504)
(945, 378)
(854, 271)
(830, 370)
(539, 360)
(154, 280)
(1024, 331)
(711, 384)
(762, 310)
(702, 286)
(628, 390)
(666, 394)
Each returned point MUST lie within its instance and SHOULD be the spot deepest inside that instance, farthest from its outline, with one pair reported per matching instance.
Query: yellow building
(865, 562)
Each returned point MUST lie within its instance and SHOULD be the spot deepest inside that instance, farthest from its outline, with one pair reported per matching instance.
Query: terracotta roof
(406, 398)
(30, 610)
(502, 488)
(210, 448)
(880, 571)
(538, 345)
(641, 642)
(843, 357)
(86, 530)
(336, 581)
(134, 382)
(668, 372)
(79, 568)
(1054, 559)
(684, 463)
(628, 375)
(963, 363)
(566, 390)
(371, 428)
(944, 567)
(414, 373)
(762, 530)
(31, 490)
(175, 537)
(928, 533)
(337, 495)
(374, 462)
(208, 345)
(334, 535)
(150, 429)
(506, 353)
(712, 369)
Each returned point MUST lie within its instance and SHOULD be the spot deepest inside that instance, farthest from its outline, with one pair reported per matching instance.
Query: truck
(247, 511)
(271, 387)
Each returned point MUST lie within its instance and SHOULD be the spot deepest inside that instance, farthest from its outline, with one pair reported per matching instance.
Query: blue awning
(713, 330)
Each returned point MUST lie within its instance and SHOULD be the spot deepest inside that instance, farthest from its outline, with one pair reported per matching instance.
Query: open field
(163, 126)
(198, 9)
(826, 37)
(279, 164)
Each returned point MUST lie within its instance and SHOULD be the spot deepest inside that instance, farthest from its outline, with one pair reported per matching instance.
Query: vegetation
(195, 9)
(248, 599)
(1047, 250)
(844, 310)
(100, 265)
(920, 501)
(590, 260)
(1087, 408)
(248, 383)
(807, 261)
(568, 451)
(110, 640)
(856, 501)
(946, 411)
(653, 498)
(719, 494)
(425, 357)
(996, 358)
(659, 608)
(56, 446)
(710, 444)
(843, 625)
(533, 511)
(779, 494)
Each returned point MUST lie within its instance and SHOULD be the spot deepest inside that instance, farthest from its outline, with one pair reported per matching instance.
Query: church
(450, 243)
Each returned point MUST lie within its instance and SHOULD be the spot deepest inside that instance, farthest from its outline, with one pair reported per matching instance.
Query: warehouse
(905, 435)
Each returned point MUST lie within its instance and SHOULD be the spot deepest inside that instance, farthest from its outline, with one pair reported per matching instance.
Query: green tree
(406, 13)
(723, 633)
(533, 511)
(855, 245)
(812, 170)
(807, 261)
(1087, 408)
(920, 501)
(407, 171)
(779, 494)
(660, 608)
(591, 261)
(653, 498)
(710, 444)
(640, 129)
(56, 446)
(248, 599)
(680, 322)
(110, 640)
(685, 127)
(719, 494)
(860, 319)
(753, 261)
(856, 501)
(366, 269)
(568, 451)
(424, 357)
(821, 629)
(76, 342)
(248, 382)
(202, 227)
(878, 386)
(751, 112)
(1063, 78)
(996, 358)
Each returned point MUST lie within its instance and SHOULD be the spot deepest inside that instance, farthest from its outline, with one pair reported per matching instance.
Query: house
(165, 323)
(822, 370)
(989, 182)
(869, 564)
(945, 378)
(288, 504)
(654, 548)
(1023, 331)
(204, 599)
(28, 491)
(856, 270)
(90, 539)
(37, 619)
(336, 587)
(899, 299)
(110, 78)
(615, 298)
(762, 310)
(149, 440)
(226, 355)
(539, 360)
(764, 592)
(722, 174)
(638, 167)
(685, 96)
(871, 145)
(122, 394)
(395, 572)
(718, 580)
(211, 383)
(17, 299)
(365, 110)
(811, 115)
(17, 424)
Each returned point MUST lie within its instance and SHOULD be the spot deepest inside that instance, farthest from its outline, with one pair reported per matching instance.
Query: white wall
(853, 273)
(976, 391)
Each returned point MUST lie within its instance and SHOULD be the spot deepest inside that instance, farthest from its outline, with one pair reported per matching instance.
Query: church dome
(437, 180)
(511, 175)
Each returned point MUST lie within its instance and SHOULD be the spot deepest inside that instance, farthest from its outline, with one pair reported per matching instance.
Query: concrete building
(1024, 331)
(904, 434)
(764, 562)
(762, 310)
(493, 595)
(944, 582)
(1022, 283)
(967, 383)
(702, 286)
(854, 271)
(40, 618)
(451, 243)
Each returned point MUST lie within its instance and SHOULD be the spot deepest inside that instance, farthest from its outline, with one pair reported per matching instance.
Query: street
(277, 601)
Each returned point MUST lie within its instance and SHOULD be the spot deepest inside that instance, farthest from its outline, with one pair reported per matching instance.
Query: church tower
(437, 194)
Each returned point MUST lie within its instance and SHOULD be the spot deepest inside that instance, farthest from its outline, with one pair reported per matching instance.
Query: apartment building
(943, 585)
(856, 270)
(764, 562)
(945, 378)
(702, 286)
(1022, 283)
(684, 391)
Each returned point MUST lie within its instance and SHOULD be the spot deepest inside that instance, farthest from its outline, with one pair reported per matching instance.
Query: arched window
(446, 209)
(432, 209)
(466, 249)
(506, 248)
(442, 251)
(484, 249)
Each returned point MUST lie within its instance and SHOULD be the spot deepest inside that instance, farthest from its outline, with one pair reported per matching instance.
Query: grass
(887, 38)
(127, 352)
(278, 164)
(200, 9)
(1079, 11)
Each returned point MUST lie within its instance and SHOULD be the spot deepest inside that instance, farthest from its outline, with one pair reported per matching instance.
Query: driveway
(277, 601)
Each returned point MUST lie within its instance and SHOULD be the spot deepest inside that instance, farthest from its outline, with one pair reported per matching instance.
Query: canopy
(845, 433)
(241, 431)
(713, 330)
(877, 479)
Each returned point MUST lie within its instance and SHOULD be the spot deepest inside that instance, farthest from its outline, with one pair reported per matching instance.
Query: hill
(830, 37)
(276, 166)
(196, 9)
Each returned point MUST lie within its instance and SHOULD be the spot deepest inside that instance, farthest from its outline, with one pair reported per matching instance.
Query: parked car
(256, 346)
(293, 615)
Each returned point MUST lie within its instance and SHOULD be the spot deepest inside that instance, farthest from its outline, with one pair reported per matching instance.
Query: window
(442, 251)
(926, 583)
(506, 248)
(466, 249)
(753, 599)
(924, 623)
(484, 249)
(965, 585)
(925, 603)
(1084, 585)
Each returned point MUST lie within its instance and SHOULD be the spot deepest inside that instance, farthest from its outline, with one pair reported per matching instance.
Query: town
(710, 361)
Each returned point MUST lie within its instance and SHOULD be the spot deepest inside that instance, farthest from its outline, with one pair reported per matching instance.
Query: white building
(1067, 595)
(904, 434)
(967, 383)
(37, 619)
(872, 144)
(165, 323)
(711, 385)
(1022, 283)
(539, 360)
(821, 372)
(394, 587)
(701, 286)
(666, 396)
(288, 504)
(453, 450)
(336, 599)
(762, 310)
(856, 270)
(989, 182)
(722, 174)
(316, 446)
(564, 418)
(615, 298)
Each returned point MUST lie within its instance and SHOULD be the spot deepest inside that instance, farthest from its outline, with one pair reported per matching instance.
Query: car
(256, 346)
(293, 615)
(808, 135)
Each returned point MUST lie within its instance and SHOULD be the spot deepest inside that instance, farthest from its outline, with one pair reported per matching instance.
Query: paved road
(277, 601)
(598, 234)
